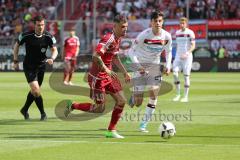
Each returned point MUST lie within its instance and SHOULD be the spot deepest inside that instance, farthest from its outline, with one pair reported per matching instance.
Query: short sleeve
(103, 44)
(21, 39)
(52, 41)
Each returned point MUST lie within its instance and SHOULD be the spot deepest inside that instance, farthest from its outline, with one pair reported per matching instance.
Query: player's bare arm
(168, 56)
(192, 47)
(15, 56)
(97, 58)
(77, 51)
(54, 55)
(185, 55)
(118, 63)
(167, 69)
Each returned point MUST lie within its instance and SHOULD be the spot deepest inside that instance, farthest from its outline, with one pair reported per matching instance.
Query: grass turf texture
(212, 131)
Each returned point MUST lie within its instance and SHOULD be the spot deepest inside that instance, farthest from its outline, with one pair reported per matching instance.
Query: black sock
(29, 101)
(39, 103)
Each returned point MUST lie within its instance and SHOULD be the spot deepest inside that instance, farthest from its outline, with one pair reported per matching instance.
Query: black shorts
(34, 74)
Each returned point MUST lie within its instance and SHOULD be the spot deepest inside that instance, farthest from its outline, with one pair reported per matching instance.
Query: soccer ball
(167, 130)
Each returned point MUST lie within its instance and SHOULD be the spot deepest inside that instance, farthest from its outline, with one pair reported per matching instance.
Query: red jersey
(107, 47)
(70, 46)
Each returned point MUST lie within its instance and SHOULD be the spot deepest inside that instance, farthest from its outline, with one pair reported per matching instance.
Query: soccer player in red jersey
(103, 80)
(71, 50)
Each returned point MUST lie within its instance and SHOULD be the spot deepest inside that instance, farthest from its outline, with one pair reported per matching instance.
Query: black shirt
(36, 47)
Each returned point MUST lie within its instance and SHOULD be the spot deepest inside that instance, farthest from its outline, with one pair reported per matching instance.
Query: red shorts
(71, 60)
(99, 87)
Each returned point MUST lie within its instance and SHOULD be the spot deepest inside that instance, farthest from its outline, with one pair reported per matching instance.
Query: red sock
(82, 106)
(116, 114)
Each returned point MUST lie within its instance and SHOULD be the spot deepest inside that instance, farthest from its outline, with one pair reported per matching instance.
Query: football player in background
(185, 39)
(70, 53)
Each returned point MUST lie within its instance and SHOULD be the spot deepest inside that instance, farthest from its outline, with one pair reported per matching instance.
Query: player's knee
(175, 73)
(121, 101)
(36, 92)
(138, 102)
(99, 108)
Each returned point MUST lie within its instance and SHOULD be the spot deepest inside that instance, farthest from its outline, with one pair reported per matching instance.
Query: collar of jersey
(38, 36)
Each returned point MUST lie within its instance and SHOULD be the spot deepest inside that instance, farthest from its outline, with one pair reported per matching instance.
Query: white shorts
(183, 65)
(151, 80)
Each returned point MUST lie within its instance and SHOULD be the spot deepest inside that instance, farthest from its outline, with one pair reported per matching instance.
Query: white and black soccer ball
(167, 130)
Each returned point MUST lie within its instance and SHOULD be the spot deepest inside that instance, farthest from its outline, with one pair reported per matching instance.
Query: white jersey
(147, 48)
(184, 40)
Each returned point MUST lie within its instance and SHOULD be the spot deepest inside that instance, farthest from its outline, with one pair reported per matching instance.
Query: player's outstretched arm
(118, 63)
(15, 56)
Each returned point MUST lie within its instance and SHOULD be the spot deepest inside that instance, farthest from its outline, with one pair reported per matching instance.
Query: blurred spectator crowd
(16, 15)
(173, 9)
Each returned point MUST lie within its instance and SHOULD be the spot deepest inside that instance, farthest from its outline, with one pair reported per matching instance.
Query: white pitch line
(135, 143)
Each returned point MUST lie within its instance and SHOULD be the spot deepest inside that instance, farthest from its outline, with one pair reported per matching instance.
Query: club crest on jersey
(43, 50)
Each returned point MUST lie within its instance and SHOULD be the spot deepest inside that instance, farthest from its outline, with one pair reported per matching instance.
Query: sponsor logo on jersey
(155, 49)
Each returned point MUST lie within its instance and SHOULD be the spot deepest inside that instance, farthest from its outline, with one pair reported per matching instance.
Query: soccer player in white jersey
(185, 39)
(145, 55)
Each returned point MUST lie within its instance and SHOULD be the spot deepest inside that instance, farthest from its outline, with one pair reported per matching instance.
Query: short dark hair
(156, 14)
(120, 19)
(38, 18)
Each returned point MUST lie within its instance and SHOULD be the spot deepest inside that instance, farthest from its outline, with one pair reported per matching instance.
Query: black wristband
(15, 61)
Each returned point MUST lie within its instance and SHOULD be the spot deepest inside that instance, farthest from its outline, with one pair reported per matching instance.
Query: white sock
(150, 108)
(176, 82)
(186, 85)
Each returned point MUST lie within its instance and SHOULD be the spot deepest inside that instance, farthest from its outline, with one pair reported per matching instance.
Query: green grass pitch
(211, 132)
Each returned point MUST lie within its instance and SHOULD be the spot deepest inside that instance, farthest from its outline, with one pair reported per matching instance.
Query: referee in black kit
(36, 44)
